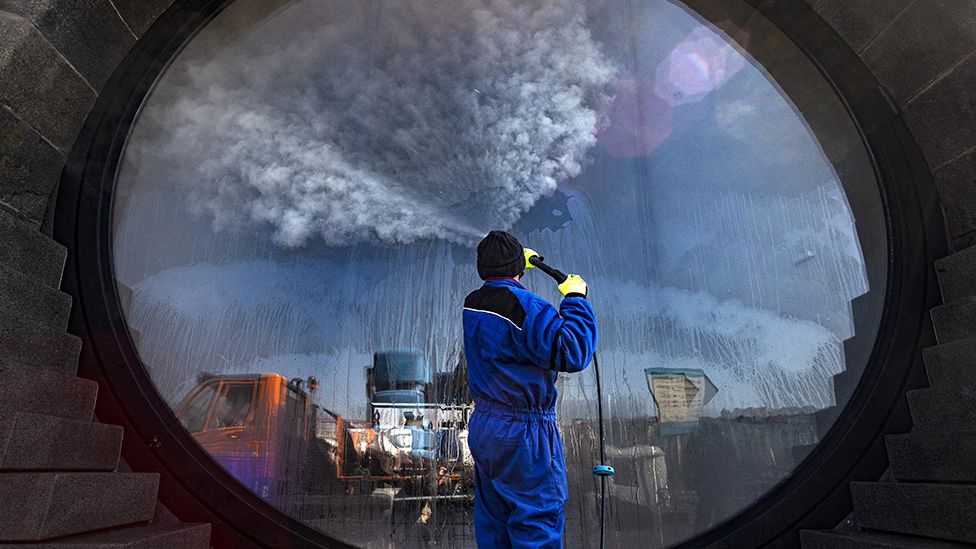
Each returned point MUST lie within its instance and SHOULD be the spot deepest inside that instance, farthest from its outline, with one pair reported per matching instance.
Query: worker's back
(500, 367)
(515, 344)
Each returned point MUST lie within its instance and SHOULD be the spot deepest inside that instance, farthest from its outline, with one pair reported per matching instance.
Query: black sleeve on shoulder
(500, 301)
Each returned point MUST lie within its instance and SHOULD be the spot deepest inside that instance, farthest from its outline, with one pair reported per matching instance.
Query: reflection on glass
(194, 415)
(296, 223)
(232, 407)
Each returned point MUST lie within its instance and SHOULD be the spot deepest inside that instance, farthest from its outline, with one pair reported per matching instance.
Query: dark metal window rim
(197, 489)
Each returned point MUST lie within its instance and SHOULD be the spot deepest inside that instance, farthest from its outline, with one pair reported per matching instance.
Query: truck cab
(266, 431)
(255, 425)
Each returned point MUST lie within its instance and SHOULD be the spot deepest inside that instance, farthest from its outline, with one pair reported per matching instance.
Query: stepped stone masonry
(41, 441)
(39, 86)
(59, 467)
(60, 504)
(928, 495)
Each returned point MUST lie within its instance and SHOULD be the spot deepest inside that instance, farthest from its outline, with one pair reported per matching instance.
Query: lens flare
(700, 64)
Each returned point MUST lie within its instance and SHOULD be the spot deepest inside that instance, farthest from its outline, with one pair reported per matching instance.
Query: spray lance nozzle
(556, 274)
(569, 285)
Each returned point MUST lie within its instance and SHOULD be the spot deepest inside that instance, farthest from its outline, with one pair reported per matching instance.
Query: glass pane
(312, 209)
(232, 407)
(195, 414)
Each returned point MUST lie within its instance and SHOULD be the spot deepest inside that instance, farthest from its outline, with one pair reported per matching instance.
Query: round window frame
(192, 484)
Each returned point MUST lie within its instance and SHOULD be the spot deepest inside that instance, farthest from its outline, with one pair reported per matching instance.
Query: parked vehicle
(256, 426)
(267, 432)
(416, 437)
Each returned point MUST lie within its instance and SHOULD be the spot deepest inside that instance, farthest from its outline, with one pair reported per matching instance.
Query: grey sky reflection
(703, 214)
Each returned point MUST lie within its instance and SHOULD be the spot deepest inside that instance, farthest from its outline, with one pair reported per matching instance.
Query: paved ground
(374, 524)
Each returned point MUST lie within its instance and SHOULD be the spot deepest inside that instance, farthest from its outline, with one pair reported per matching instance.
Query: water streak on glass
(296, 216)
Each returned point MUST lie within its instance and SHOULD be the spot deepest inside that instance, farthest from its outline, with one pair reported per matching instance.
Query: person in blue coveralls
(516, 343)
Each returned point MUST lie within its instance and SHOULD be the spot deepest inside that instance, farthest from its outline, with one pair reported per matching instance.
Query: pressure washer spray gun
(556, 274)
(602, 470)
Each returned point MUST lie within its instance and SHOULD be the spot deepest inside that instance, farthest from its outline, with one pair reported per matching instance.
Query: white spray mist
(402, 121)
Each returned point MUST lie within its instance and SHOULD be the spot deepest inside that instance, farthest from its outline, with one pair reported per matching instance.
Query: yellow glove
(573, 284)
(529, 252)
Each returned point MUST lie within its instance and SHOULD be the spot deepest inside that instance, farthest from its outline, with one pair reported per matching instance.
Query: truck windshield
(196, 413)
(233, 406)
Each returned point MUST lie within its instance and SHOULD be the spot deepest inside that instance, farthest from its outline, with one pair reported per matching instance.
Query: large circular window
(296, 210)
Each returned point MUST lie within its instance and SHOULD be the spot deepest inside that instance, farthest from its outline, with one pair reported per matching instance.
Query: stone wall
(923, 52)
(55, 56)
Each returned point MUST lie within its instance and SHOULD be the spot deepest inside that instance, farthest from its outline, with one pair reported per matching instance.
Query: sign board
(680, 396)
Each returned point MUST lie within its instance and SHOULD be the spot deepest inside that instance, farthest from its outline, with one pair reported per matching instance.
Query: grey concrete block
(933, 456)
(25, 300)
(942, 511)
(37, 506)
(829, 539)
(956, 182)
(957, 273)
(39, 442)
(29, 167)
(47, 393)
(47, 223)
(89, 33)
(140, 14)
(943, 118)
(951, 365)
(38, 85)
(966, 240)
(38, 348)
(860, 21)
(924, 41)
(154, 536)
(955, 320)
(936, 410)
(24, 249)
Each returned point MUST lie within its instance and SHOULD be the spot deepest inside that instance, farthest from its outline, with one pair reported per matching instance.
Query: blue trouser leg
(520, 481)
(491, 513)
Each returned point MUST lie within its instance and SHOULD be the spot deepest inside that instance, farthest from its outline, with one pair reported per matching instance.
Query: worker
(516, 343)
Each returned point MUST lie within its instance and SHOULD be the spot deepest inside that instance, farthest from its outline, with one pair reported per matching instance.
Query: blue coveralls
(515, 344)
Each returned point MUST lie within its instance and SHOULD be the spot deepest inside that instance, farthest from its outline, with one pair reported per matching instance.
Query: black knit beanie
(500, 254)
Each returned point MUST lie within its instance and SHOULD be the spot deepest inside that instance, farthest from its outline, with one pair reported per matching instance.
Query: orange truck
(256, 426)
(266, 430)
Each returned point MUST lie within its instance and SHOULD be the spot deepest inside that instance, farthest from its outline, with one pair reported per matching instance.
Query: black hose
(603, 452)
(605, 470)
